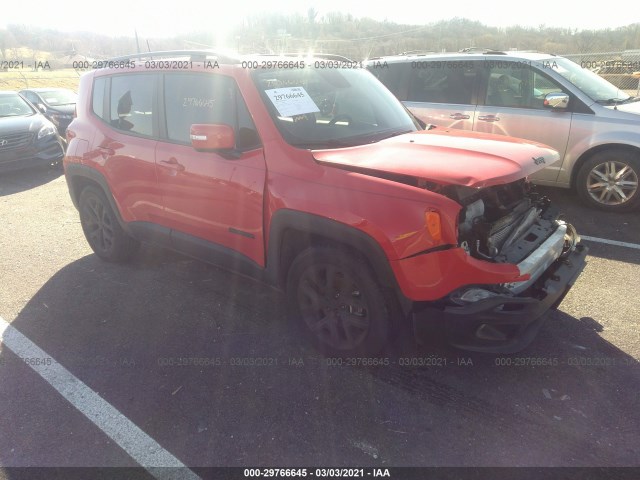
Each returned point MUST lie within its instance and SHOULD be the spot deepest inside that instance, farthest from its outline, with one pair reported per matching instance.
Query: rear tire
(334, 299)
(101, 227)
(609, 181)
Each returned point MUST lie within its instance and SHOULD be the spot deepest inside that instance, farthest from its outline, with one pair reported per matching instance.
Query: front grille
(13, 141)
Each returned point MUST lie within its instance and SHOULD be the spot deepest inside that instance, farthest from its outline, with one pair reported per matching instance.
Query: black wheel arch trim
(73, 171)
(286, 220)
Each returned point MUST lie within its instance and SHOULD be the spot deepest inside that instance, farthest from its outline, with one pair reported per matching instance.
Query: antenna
(137, 42)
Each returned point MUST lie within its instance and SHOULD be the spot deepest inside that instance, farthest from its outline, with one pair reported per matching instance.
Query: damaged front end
(511, 224)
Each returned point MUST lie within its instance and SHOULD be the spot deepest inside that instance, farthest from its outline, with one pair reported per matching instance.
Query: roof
(44, 89)
(467, 55)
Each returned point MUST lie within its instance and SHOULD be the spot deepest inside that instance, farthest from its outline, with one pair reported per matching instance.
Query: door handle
(459, 116)
(172, 164)
(489, 118)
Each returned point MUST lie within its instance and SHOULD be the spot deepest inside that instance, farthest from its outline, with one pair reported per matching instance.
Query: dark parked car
(27, 138)
(57, 104)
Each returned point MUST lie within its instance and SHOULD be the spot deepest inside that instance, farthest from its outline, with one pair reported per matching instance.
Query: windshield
(58, 97)
(589, 82)
(326, 108)
(13, 105)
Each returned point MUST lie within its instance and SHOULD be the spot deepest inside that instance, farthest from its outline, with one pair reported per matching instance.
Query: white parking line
(610, 242)
(140, 446)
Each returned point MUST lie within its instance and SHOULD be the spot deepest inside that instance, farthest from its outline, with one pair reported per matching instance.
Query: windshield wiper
(378, 136)
(322, 144)
(613, 101)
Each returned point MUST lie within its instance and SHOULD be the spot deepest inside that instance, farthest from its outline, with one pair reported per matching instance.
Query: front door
(211, 196)
(512, 104)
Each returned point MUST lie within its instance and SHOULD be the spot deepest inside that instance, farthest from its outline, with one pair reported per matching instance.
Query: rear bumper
(506, 323)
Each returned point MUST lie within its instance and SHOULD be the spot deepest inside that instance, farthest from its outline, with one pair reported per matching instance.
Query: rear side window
(392, 75)
(206, 99)
(441, 81)
(131, 104)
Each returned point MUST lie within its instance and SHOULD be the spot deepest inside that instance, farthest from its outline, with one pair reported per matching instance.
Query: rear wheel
(334, 298)
(101, 228)
(609, 181)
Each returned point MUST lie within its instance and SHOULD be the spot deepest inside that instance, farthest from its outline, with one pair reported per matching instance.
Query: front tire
(334, 299)
(609, 181)
(101, 227)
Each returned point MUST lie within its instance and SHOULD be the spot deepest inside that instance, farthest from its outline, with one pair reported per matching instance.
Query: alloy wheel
(98, 224)
(612, 183)
(333, 306)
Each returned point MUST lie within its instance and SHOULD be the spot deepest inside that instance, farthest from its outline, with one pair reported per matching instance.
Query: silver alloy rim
(612, 183)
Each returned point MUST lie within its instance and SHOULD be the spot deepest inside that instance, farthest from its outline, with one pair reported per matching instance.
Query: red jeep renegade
(317, 179)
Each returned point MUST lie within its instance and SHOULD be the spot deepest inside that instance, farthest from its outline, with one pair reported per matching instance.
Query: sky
(155, 18)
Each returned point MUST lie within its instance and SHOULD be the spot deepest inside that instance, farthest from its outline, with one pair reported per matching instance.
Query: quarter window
(97, 99)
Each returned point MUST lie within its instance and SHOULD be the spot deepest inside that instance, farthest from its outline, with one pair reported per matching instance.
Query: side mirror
(208, 138)
(556, 100)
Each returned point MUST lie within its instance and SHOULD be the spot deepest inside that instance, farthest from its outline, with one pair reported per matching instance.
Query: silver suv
(593, 124)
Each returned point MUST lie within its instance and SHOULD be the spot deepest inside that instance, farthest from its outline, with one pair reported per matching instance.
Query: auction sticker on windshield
(291, 101)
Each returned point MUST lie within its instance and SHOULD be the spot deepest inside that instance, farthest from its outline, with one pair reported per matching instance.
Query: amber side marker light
(432, 221)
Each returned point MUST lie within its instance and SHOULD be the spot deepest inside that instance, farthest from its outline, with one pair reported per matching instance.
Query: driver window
(543, 85)
(517, 85)
(506, 87)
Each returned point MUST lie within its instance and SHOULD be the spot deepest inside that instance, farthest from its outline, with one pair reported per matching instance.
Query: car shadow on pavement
(22, 180)
(204, 362)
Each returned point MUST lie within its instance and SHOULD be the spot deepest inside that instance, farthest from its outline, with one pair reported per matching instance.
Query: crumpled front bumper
(506, 323)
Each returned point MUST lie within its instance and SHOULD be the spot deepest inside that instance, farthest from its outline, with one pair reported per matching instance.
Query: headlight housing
(46, 130)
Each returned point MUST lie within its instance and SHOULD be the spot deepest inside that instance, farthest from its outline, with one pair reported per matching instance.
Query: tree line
(338, 33)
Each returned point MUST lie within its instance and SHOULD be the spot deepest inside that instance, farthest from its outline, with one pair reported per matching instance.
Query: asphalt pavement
(200, 365)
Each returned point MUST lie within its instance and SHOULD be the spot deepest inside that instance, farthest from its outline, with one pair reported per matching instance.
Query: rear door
(511, 104)
(210, 197)
(124, 144)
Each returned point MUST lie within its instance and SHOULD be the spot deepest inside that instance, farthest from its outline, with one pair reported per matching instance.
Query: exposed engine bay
(506, 223)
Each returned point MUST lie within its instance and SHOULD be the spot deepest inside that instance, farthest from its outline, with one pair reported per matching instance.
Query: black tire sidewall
(123, 245)
(380, 302)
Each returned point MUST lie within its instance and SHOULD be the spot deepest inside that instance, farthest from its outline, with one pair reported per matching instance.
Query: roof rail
(194, 55)
(487, 51)
(417, 52)
(324, 56)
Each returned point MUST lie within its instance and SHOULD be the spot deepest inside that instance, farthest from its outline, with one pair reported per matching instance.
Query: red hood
(447, 157)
